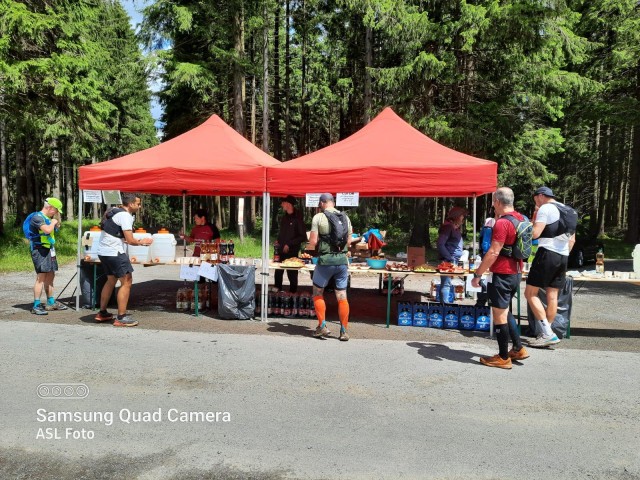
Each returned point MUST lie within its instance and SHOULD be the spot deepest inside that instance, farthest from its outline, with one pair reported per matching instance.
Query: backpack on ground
(568, 222)
(338, 230)
(521, 248)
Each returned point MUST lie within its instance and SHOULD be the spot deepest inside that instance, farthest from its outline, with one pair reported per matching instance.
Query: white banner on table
(208, 271)
(189, 272)
(92, 196)
(346, 199)
(312, 199)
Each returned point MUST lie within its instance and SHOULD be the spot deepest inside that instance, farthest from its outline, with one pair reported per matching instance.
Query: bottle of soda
(214, 252)
(312, 308)
(231, 249)
(288, 299)
(294, 305)
(270, 304)
(258, 300)
(223, 255)
(276, 251)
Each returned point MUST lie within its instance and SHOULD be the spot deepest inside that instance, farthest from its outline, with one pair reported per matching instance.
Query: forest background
(549, 90)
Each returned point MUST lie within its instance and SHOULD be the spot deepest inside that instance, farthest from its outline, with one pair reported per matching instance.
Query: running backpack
(26, 227)
(521, 249)
(108, 225)
(568, 222)
(338, 230)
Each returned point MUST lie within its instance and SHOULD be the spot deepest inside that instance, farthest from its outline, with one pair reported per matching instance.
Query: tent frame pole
(264, 291)
(184, 223)
(79, 260)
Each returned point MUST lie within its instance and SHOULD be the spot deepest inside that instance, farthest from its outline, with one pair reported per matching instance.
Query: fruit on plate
(304, 255)
(424, 268)
(292, 262)
(398, 266)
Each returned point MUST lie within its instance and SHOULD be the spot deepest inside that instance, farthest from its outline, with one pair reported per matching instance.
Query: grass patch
(617, 249)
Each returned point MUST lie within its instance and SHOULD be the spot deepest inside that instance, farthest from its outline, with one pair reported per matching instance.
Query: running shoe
(56, 306)
(344, 336)
(544, 341)
(39, 310)
(518, 355)
(321, 331)
(496, 361)
(125, 321)
(103, 317)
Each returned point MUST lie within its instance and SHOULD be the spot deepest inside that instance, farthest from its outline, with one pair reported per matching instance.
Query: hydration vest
(109, 226)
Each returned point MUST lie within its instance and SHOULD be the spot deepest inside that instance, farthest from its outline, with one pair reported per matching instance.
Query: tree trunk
(55, 178)
(22, 198)
(419, 231)
(219, 213)
(368, 60)
(4, 179)
(265, 81)
(277, 140)
(70, 183)
(633, 225)
(287, 83)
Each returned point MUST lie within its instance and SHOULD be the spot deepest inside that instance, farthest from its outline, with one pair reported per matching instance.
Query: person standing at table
(42, 231)
(331, 231)
(202, 231)
(117, 230)
(506, 276)
(549, 266)
(449, 245)
(290, 236)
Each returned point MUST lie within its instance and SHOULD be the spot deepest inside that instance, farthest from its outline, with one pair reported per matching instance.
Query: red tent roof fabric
(387, 157)
(211, 159)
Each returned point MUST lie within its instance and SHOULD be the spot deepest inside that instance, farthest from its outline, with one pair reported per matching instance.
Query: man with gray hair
(506, 276)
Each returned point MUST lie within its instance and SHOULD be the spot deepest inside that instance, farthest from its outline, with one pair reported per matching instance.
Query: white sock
(546, 328)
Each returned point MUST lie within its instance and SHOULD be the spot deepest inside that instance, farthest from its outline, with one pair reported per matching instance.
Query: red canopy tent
(387, 157)
(211, 159)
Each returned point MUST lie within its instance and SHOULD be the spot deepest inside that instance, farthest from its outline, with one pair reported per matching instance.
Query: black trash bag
(236, 292)
(561, 323)
(86, 286)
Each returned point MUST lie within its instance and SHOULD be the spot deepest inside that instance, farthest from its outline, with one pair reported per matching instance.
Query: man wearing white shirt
(117, 232)
(549, 266)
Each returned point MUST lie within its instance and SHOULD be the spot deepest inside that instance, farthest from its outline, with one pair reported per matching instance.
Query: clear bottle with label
(600, 261)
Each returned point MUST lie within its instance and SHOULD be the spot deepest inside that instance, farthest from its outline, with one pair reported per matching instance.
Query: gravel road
(393, 403)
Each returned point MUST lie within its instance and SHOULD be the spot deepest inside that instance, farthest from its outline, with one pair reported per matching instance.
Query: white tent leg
(475, 243)
(184, 223)
(264, 296)
(79, 288)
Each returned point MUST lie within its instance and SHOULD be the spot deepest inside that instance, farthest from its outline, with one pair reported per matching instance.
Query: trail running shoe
(321, 332)
(39, 310)
(344, 336)
(496, 361)
(103, 317)
(544, 341)
(519, 355)
(125, 321)
(56, 306)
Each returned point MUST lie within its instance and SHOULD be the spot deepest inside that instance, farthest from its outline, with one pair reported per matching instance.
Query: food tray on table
(425, 268)
(292, 263)
(359, 267)
(398, 267)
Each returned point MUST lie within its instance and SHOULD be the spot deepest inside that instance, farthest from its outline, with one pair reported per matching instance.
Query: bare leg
(552, 303)
(531, 294)
(123, 293)
(39, 285)
(107, 290)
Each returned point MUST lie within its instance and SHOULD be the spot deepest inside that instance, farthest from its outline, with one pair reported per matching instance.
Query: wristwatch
(476, 275)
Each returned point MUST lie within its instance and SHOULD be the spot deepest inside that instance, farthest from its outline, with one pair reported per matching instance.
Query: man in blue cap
(549, 266)
(42, 232)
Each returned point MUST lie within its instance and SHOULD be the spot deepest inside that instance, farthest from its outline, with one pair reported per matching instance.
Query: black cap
(289, 199)
(546, 191)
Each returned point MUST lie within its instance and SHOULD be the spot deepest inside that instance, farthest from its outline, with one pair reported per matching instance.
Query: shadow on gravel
(434, 351)
(290, 329)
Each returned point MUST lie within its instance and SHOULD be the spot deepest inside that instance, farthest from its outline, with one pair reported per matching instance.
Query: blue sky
(133, 8)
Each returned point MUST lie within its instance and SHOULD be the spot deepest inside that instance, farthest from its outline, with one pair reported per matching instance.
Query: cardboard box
(415, 256)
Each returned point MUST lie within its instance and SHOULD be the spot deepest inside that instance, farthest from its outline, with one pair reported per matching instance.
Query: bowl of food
(377, 263)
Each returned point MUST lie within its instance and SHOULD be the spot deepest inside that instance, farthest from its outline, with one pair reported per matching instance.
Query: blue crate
(483, 319)
(467, 317)
(420, 314)
(435, 316)
(405, 314)
(451, 316)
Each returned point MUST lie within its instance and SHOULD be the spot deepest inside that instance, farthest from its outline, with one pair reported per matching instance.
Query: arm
(488, 260)
(49, 229)
(313, 240)
(129, 238)
(572, 241)
(538, 227)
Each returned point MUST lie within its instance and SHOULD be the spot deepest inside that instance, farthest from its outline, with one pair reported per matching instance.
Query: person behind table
(549, 266)
(202, 231)
(43, 228)
(290, 236)
(449, 245)
(330, 265)
(507, 274)
(117, 231)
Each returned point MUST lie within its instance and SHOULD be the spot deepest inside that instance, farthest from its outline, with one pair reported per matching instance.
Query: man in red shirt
(506, 275)
(202, 231)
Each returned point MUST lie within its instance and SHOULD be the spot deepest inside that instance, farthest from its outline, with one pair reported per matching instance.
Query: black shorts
(502, 288)
(548, 269)
(43, 262)
(117, 266)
